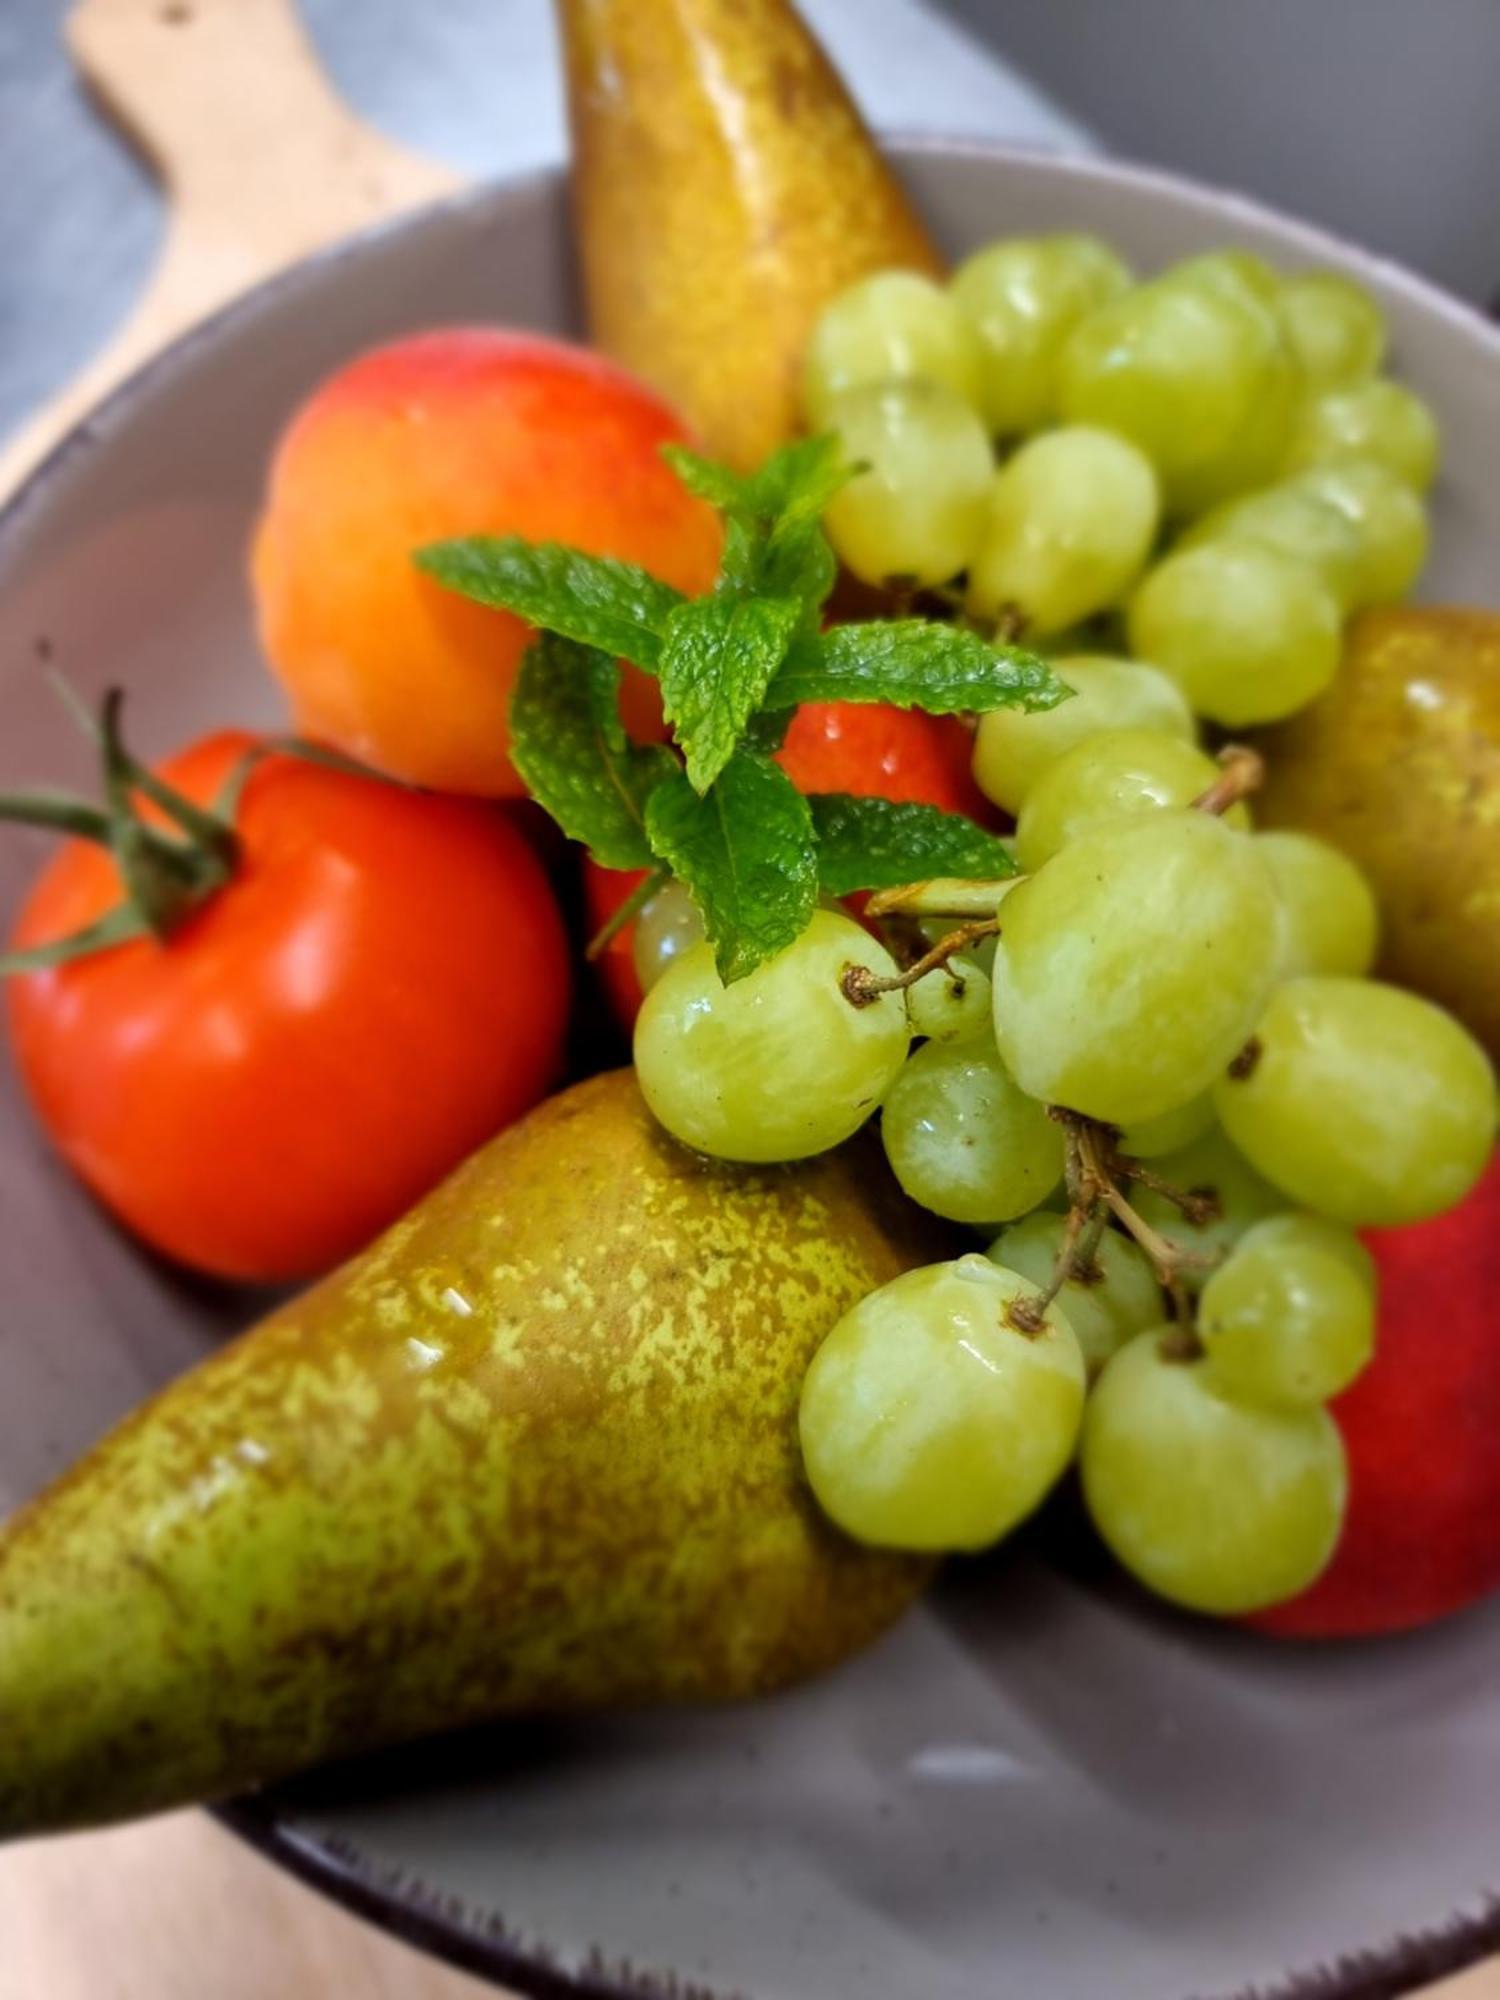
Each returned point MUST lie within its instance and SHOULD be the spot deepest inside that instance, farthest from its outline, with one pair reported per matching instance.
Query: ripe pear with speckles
(534, 1450)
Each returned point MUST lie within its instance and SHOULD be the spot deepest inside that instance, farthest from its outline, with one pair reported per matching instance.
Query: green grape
(1012, 749)
(779, 1065)
(1378, 420)
(1363, 1102)
(1330, 921)
(1132, 967)
(1237, 271)
(1170, 1132)
(1109, 777)
(1286, 1321)
(1217, 1505)
(1300, 1226)
(1070, 521)
(890, 327)
(1295, 523)
(1207, 1165)
(1388, 517)
(953, 1003)
(1023, 297)
(917, 510)
(963, 1140)
(929, 1420)
(1249, 634)
(1332, 325)
(668, 926)
(1197, 375)
(1116, 1297)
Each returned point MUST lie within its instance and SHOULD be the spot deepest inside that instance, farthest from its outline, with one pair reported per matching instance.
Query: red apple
(1422, 1428)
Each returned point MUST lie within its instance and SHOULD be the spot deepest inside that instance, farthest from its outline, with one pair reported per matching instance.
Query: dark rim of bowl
(431, 1919)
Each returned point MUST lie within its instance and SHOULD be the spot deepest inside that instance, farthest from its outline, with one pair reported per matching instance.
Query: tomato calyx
(167, 871)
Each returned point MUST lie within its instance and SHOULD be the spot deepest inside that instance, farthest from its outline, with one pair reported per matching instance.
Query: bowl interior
(1036, 1785)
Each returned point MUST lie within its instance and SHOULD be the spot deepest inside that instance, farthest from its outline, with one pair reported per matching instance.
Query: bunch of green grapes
(1167, 1092)
(1208, 460)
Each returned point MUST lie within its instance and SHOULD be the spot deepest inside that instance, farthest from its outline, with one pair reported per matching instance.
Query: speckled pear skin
(1399, 765)
(725, 188)
(535, 1449)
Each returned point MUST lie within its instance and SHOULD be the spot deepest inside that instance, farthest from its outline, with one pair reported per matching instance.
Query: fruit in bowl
(1233, 1357)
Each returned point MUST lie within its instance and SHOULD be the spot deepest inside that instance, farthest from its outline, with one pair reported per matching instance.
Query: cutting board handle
(261, 161)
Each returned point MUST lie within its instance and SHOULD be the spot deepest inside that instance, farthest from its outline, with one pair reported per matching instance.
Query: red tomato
(867, 748)
(382, 985)
(876, 751)
(1422, 1535)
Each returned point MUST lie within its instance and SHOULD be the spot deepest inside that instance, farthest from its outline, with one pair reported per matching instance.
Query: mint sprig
(733, 666)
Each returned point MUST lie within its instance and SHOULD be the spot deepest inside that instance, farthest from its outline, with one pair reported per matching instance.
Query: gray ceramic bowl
(1037, 1786)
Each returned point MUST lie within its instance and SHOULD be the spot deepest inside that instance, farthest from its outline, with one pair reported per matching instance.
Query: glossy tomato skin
(871, 749)
(1422, 1430)
(383, 984)
(877, 751)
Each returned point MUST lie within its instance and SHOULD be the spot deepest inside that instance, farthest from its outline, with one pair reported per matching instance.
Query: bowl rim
(434, 1920)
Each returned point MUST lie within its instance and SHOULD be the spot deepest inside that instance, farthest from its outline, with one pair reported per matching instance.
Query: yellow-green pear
(535, 1449)
(725, 189)
(1399, 765)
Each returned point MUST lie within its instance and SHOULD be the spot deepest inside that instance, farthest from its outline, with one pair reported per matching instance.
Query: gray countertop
(473, 82)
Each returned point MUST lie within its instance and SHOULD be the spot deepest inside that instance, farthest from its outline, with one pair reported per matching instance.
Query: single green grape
(1133, 965)
(1216, 1505)
(1171, 1131)
(1330, 921)
(1115, 775)
(1332, 325)
(1248, 634)
(1286, 1321)
(1388, 517)
(1013, 748)
(1206, 1165)
(1023, 297)
(1117, 1295)
(668, 926)
(891, 327)
(1295, 523)
(963, 1140)
(929, 1420)
(779, 1065)
(1197, 375)
(1362, 1102)
(1300, 1226)
(1236, 271)
(1070, 522)
(1379, 420)
(953, 1003)
(917, 510)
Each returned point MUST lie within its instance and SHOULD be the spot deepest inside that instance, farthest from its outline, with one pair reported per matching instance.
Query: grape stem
(944, 896)
(1241, 772)
(860, 986)
(627, 913)
(1096, 1174)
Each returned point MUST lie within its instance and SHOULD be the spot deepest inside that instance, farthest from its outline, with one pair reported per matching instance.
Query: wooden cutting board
(261, 162)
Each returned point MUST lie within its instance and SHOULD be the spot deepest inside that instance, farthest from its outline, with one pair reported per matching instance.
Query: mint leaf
(745, 852)
(569, 744)
(718, 656)
(616, 606)
(881, 843)
(915, 663)
(711, 481)
(797, 482)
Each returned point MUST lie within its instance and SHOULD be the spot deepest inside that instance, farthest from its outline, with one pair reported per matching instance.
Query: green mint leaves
(881, 843)
(732, 666)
